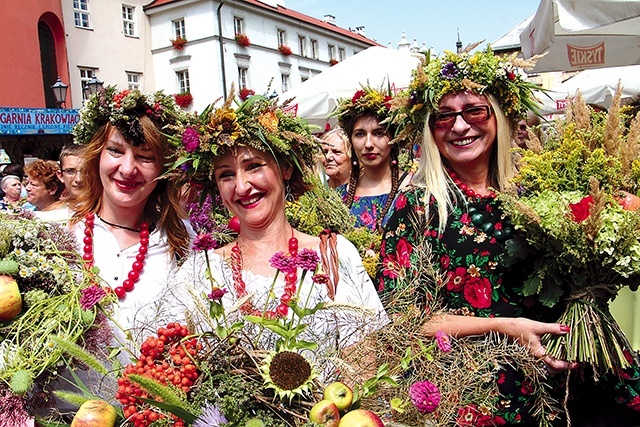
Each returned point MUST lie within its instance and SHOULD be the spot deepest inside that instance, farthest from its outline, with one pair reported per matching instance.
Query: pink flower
(307, 259)
(191, 139)
(204, 242)
(444, 341)
(320, 278)
(425, 396)
(90, 296)
(217, 294)
(283, 262)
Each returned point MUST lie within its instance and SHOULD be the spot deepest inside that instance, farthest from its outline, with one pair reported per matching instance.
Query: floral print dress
(475, 279)
(366, 209)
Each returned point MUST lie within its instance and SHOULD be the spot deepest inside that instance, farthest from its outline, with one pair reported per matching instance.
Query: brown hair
(162, 208)
(45, 172)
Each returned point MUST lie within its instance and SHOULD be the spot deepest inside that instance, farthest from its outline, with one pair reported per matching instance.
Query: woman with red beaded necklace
(254, 178)
(129, 221)
(468, 105)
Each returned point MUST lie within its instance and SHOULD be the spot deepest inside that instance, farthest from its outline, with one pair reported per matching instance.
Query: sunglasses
(477, 114)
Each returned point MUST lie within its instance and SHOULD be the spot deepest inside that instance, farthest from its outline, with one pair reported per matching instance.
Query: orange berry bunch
(168, 358)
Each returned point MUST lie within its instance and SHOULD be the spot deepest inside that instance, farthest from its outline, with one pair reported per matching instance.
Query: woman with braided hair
(375, 174)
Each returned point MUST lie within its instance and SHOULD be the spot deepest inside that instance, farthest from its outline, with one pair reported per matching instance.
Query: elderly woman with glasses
(469, 105)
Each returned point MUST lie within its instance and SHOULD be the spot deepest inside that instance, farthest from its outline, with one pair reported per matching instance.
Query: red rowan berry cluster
(167, 358)
(118, 97)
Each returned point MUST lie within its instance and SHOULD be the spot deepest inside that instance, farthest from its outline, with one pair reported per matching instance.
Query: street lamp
(60, 92)
(94, 85)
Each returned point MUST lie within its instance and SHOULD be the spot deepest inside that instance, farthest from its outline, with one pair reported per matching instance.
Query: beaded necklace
(486, 220)
(136, 268)
(241, 289)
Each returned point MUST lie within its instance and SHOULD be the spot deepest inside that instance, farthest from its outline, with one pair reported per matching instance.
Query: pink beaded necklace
(241, 288)
(136, 268)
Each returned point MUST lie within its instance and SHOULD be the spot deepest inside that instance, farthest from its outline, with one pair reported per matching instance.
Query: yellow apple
(95, 413)
(10, 299)
(325, 413)
(340, 394)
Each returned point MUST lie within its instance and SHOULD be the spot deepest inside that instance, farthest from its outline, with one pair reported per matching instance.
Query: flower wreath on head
(377, 101)
(480, 72)
(258, 122)
(123, 109)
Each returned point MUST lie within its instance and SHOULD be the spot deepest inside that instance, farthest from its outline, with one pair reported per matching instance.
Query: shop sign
(21, 121)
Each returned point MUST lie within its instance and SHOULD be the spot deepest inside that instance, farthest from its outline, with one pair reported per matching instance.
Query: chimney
(360, 30)
(330, 19)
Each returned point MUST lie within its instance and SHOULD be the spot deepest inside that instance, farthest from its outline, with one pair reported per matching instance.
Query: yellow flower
(269, 121)
(224, 120)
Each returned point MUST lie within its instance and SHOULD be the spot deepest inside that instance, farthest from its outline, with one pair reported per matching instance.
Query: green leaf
(178, 411)
(531, 285)
(398, 404)
(171, 401)
(302, 312)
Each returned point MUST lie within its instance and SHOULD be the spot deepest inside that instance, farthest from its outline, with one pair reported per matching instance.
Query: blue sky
(433, 22)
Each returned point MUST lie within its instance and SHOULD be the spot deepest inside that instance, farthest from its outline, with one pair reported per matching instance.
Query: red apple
(340, 394)
(234, 224)
(95, 413)
(325, 413)
(360, 418)
(629, 202)
(10, 299)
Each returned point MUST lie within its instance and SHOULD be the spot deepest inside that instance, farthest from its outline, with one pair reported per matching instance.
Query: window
(178, 28)
(314, 49)
(285, 82)
(183, 81)
(282, 38)
(332, 52)
(341, 54)
(238, 25)
(243, 77)
(302, 45)
(85, 75)
(129, 20)
(81, 13)
(133, 80)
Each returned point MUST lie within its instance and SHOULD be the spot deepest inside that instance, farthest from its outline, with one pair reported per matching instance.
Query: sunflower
(288, 373)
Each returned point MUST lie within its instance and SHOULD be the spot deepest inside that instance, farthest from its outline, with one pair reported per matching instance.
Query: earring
(287, 192)
(355, 163)
(394, 162)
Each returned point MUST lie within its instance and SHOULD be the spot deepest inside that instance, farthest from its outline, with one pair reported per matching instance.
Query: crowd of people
(113, 188)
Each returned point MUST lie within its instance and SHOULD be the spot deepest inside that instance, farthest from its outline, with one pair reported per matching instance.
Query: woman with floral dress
(375, 174)
(469, 104)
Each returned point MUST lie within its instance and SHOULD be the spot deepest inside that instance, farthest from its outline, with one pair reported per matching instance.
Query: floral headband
(482, 72)
(258, 123)
(123, 109)
(377, 101)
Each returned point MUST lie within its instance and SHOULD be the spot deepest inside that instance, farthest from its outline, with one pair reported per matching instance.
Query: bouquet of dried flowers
(43, 259)
(574, 212)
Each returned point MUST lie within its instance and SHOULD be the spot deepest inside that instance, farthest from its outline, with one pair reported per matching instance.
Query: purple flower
(283, 262)
(307, 259)
(320, 278)
(204, 242)
(211, 416)
(425, 396)
(191, 139)
(90, 296)
(444, 341)
(449, 71)
(217, 294)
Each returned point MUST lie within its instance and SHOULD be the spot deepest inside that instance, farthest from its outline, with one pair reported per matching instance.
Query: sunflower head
(288, 373)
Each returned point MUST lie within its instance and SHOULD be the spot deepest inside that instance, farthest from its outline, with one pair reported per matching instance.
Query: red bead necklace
(240, 287)
(136, 268)
(469, 192)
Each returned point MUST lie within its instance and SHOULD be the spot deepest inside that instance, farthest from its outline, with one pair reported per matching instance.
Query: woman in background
(336, 158)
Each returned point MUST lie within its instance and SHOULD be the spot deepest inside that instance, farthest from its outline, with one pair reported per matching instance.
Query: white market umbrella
(597, 86)
(316, 98)
(577, 35)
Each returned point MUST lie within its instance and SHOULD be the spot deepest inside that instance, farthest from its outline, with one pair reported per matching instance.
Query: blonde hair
(433, 177)
(343, 136)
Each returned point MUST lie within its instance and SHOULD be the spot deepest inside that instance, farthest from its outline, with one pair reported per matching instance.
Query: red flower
(333, 61)
(467, 415)
(580, 210)
(246, 93)
(511, 75)
(456, 279)
(359, 94)
(477, 292)
(184, 100)
(243, 40)
(404, 250)
(445, 260)
(635, 403)
(401, 201)
(178, 43)
(285, 50)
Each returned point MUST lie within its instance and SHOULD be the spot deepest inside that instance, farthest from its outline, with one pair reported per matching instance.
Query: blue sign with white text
(22, 121)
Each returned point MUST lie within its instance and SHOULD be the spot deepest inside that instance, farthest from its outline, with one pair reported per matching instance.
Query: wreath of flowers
(377, 101)
(480, 72)
(123, 109)
(257, 122)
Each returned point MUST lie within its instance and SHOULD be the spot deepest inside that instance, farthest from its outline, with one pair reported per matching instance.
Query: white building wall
(105, 48)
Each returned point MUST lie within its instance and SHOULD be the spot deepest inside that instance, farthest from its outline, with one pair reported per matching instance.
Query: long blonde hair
(163, 206)
(433, 177)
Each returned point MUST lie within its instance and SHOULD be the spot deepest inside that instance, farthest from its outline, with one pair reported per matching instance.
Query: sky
(433, 22)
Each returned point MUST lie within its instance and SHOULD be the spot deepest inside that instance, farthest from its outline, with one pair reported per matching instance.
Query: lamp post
(94, 85)
(60, 92)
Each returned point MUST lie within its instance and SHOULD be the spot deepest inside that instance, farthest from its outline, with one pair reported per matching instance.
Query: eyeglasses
(71, 172)
(477, 114)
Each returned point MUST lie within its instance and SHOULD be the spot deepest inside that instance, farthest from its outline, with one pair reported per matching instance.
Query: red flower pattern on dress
(477, 292)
